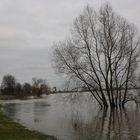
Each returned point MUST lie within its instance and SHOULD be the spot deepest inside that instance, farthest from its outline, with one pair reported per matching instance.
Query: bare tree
(38, 81)
(102, 53)
(39, 86)
(18, 88)
(8, 84)
(44, 89)
(26, 89)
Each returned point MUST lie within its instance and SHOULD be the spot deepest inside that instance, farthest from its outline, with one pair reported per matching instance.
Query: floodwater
(76, 117)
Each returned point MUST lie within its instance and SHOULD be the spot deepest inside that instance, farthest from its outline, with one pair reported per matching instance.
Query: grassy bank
(7, 97)
(10, 130)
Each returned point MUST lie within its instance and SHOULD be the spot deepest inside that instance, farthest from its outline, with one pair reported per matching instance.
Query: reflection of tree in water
(108, 125)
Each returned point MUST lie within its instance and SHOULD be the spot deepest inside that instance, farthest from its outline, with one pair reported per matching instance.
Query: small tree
(26, 89)
(39, 86)
(37, 82)
(18, 88)
(44, 89)
(8, 84)
(101, 53)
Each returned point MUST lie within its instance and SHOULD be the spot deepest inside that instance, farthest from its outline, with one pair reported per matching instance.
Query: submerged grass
(10, 130)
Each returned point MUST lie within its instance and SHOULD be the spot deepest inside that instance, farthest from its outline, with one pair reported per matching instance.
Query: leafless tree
(102, 53)
(39, 86)
(8, 84)
(38, 81)
(18, 88)
(26, 89)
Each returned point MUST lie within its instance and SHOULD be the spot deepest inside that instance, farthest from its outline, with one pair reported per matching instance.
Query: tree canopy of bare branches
(8, 84)
(102, 53)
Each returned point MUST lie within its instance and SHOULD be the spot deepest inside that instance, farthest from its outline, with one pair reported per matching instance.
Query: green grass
(7, 97)
(10, 130)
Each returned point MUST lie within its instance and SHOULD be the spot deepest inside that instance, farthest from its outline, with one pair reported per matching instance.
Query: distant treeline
(10, 86)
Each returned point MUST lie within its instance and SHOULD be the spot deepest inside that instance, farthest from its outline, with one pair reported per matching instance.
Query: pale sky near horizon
(28, 29)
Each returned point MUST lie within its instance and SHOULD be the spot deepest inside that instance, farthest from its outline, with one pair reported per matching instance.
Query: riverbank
(10, 130)
(7, 97)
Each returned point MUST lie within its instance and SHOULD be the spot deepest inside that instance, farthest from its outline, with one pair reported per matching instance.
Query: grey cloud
(28, 28)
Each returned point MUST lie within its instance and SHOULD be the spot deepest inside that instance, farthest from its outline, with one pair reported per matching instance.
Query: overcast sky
(28, 29)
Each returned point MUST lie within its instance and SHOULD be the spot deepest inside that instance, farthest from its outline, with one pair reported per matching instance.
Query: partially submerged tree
(102, 53)
(39, 87)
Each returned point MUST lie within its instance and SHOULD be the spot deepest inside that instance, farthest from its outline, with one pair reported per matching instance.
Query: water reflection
(77, 121)
(108, 125)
